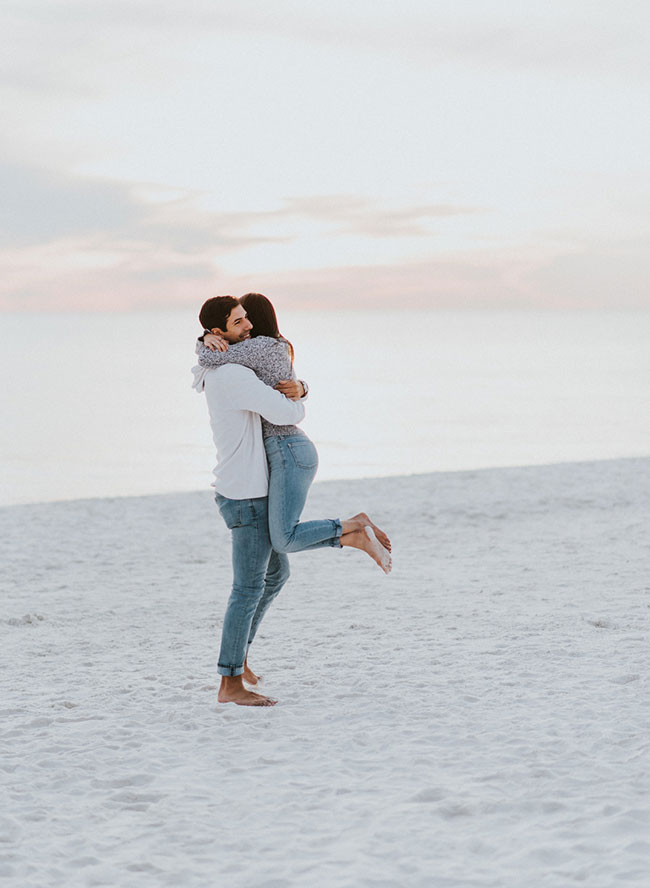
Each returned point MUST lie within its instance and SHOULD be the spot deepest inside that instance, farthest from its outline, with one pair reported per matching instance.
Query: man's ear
(217, 331)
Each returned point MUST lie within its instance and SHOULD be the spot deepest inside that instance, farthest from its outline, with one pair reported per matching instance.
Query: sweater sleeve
(256, 354)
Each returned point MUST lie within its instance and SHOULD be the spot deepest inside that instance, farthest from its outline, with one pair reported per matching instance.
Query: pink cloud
(523, 278)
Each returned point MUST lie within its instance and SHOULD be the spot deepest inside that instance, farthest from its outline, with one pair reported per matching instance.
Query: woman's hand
(215, 343)
(290, 388)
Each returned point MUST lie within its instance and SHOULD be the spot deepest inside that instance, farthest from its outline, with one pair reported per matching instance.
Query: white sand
(478, 718)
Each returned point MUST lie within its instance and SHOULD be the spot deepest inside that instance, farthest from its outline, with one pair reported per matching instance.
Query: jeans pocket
(231, 511)
(304, 454)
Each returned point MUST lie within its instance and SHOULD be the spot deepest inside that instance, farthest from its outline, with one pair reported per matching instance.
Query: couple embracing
(265, 466)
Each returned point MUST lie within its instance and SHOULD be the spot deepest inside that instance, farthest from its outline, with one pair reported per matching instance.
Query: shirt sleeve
(247, 392)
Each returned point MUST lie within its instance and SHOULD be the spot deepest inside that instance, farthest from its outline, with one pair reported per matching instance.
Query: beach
(476, 719)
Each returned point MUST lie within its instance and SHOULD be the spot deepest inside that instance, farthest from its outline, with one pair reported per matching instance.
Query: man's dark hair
(216, 311)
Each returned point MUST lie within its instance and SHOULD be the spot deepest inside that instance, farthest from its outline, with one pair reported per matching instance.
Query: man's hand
(215, 343)
(291, 388)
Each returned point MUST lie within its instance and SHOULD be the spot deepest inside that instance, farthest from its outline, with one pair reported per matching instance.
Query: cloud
(601, 275)
(75, 239)
(72, 242)
(350, 214)
(40, 206)
(54, 37)
(473, 280)
(596, 276)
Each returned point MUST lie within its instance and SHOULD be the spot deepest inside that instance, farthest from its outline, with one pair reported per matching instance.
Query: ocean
(100, 405)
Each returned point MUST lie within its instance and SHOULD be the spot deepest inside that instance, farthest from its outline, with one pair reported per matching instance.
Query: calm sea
(101, 405)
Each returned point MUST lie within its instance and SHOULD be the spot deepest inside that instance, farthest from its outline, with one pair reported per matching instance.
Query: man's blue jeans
(258, 575)
(293, 460)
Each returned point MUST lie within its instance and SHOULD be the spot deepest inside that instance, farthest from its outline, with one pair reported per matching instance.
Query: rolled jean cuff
(338, 527)
(230, 670)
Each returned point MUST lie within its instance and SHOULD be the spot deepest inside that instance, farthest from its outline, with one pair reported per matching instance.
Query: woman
(291, 456)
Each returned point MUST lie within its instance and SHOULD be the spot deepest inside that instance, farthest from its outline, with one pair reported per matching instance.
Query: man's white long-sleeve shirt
(236, 399)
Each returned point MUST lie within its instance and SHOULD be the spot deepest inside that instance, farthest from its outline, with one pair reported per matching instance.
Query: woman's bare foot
(249, 676)
(358, 522)
(232, 690)
(367, 541)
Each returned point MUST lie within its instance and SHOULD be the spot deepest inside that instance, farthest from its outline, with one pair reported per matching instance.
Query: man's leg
(251, 551)
(277, 575)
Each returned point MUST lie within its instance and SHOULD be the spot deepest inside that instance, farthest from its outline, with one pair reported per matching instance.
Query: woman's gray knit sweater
(268, 358)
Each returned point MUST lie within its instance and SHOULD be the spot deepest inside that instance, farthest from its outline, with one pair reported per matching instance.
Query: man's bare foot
(367, 541)
(362, 520)
(232, 690)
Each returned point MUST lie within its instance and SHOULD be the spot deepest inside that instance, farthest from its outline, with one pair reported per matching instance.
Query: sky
(481, 154)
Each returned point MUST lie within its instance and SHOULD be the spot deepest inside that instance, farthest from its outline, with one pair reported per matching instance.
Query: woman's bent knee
(282, 542)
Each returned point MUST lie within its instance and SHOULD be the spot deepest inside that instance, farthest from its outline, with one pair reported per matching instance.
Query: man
(236, 400)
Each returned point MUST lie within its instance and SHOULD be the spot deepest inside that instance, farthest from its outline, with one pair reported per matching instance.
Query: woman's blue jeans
(293, 460)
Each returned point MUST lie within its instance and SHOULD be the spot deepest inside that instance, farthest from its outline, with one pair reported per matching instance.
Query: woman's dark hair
(262, 316)
(216, 311)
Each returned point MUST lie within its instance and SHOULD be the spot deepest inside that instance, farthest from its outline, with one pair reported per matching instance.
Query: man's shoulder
(231, 386)
(228, 373)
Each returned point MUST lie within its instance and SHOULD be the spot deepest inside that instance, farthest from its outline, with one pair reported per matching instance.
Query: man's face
(238, 327)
